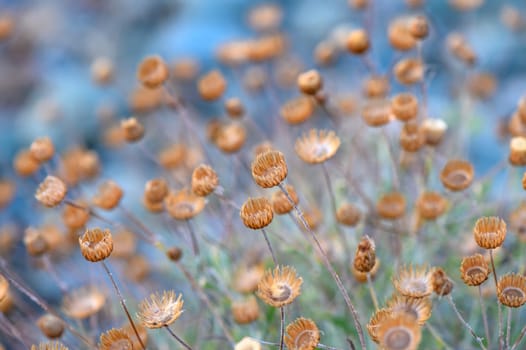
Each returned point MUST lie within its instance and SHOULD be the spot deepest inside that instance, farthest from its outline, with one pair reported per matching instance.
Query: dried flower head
(152, 72)
(376, 86)
(358, 41)
(418, 27)
(234, 107)
(185, 69)
(7, 192)
(279, 287)
(174, 253)
(96, 244)
(137, 268)
(281, 204)
(173, 156)
(143, 334)
(49, 346)
(409, 71)
(325, 53)
(245, 311)
(511, 290)
(518, 221)
(115, 339)
(51, 326)
(265, 17)
(76, 217)
(419, 308)
(230, 137)
(42, 149)
(400, 35)
(362, 276)
(160, 310)
(211, 86)
(415, 282)
(474, 270)
(248, 344)
(457, 175)
(391, 206)
(442, 284)
(378, 317)
(246, 279)
(204, 180)
(517, 155)
(434, 129)
(460, 48)
(404, 106)
(412, 137)
(431, 205)
(35, 242)
(377, 112)
(51, 192)
(269, 169)
(25, 164)
(256, 213)
(155, 190)
(310, 82)
(297, 110)
(302, 334)
(184, 205)
(132, 129)
(102, 70)
(108, 195)
(348, 214)
(83, 302)
(489, 232)
(365, 256)
(400, 331)
(317, 146)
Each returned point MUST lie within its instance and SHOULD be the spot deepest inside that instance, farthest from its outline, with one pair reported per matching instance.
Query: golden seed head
(173, 156)
(317, 146)
(461, 49)
(161, 309)
(310, 82)
(88, 164)
(42, 149)
(230, 137)
(51, 192)
(434, 129)
(362, 276)
(399, 332)
(418, 27)
(153, 207)
(25, 164)
(185, 69)
(280, 202)
(152, 72)
(457, 175)
(83, 302)
(266, 47)
(377, 112)
(7, 192)
(155, 190)
(108, 196)
(409, 71)
(378, 317)
(474, 270)
(404, 106)
(248, 344)
(234, 107)
(358, 41)
(511, 290)
(143, 334)
(96, 244)
(416, 282)
(376, 86)
(302, 334)
(442, 284)
(211, 86)
(246, 279)
(419, 308)
(391, 206)
(115, 339)
(431, 205)
(265, 17)
(49, 346)
(51, 326)
(517, 155)
(279, 287)
(174, 253)
(412, 137)
(184, 205)
(400, 35)
(245, 311)
(489, 232)
(348, 214)
(133, 130)
(256, 213)
(102, 70)
(297, 110)
(35, 242)
(269, 169)
(75, 217)
(204, 180)
(365, 256)
(4, 287)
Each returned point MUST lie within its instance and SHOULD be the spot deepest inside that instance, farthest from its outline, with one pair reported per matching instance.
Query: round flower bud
(51, 326)
(281, 204)
(376, 87)
(174, 254)
(376, 113)
(211, 86)
(358, 41)
(152, 72)
(400, 37)
(42, 149)
(234, 108)
(391, 206)
(108, 196)
(155, 190)
(35, 243)
(412, 137)
(418, 27)
(310, 82)
(348, 214)
(409, 71)
(404, 106)
(51, 192)
(297, 110)
(269, 169)
(102, 70)
(96, 244)
(434, 130)
(25, 164)
(246, 311)
(133, 131)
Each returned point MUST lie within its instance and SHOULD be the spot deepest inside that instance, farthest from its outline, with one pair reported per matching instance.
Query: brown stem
(270, 247)
(467, 325)
(282, 327)
(186, 346)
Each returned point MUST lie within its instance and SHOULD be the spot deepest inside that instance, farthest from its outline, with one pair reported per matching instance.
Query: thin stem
(270, 247)
(195, 244)
(282, 327)
(437, 336)
(501, 335)
(123, 303)
(508, 329)
(519, 339)
(329, 267)
(186, 346)
(477, 338)
(484, 316)
(392, 161)
(15, 333)
(151, 237)
(371, 290)
(48, 266)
